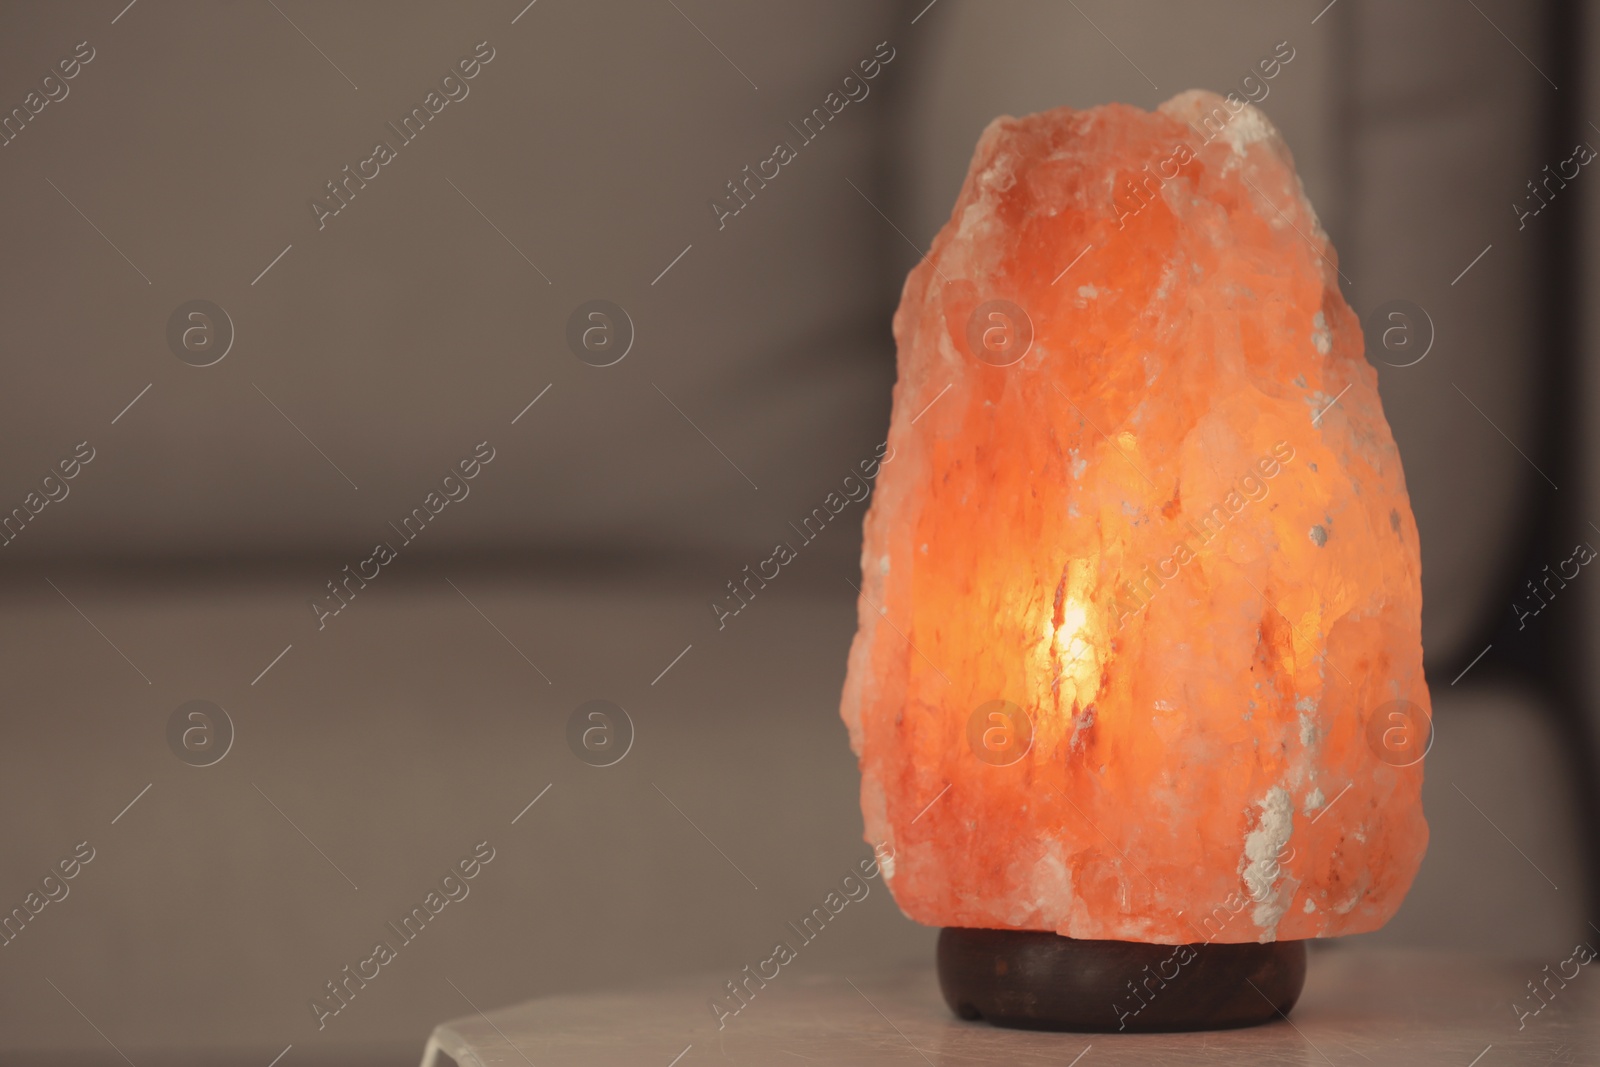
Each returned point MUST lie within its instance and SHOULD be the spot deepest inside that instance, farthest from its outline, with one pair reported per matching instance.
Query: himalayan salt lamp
(1139, 648)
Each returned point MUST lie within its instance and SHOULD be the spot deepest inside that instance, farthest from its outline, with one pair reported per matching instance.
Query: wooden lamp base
(1036, 980)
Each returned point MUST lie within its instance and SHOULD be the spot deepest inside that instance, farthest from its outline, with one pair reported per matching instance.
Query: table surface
(1360, 1007)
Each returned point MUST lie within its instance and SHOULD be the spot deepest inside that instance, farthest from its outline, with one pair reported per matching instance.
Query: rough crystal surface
(1163, 552)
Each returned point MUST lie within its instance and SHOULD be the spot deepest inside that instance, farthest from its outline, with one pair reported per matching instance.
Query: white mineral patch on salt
(1247, 127)
(1307, 708)
(1262, 847)
(1321, 336)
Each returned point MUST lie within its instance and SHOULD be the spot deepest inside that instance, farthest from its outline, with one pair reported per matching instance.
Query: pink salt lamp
(1137, 691)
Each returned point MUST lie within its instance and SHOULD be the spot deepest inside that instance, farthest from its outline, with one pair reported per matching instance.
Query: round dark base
(1034, 980)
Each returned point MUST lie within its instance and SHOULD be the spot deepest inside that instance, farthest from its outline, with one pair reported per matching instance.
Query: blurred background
(242, 348)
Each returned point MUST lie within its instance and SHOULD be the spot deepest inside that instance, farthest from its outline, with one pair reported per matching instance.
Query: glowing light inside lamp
(1075, 641)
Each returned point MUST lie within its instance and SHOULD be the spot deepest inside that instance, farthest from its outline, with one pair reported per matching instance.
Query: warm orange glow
(1141, 584)
(1076, 645)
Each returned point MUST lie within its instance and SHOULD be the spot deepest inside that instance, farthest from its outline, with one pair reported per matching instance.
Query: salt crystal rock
(1140, 610)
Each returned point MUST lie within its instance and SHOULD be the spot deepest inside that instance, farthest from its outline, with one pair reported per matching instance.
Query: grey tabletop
(1359, 1007)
